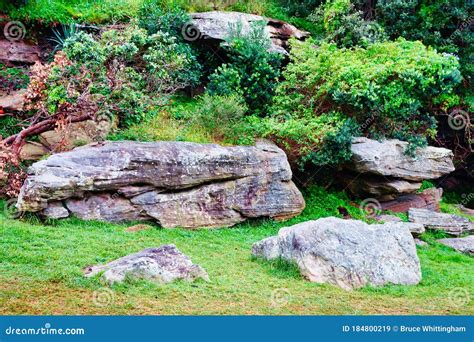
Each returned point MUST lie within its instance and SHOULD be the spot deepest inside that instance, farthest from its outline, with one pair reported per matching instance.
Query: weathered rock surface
(33, 151)
(56, 210)
(346, 253)
(388, 159)
(13, 101)
(19, 52)
(388, 218)
(420, 243)
(215, 25)
(466, 211)
(451, 224)
(380, 187)
(76, 134)
(464, 245)
(175, 183)
(428, 199)
(164, 265)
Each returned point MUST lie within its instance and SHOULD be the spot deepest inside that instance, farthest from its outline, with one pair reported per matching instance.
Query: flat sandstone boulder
(177, 184)
(215, 26)
(451, 224)
(163, 265)
(463, 245)
(388, 158)
(347, 253)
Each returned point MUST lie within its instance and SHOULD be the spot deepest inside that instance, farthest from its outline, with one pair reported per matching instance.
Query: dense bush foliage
(346, 26)
(220, 115)
(122, 73)
(252, 71)
(444, 24)
(386, 88)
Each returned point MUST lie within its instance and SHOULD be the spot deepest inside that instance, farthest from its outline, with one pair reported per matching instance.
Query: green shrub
(68, 11)
(125, 74)
(154, 17)
(12, 78)
(220, 115)
(165, 24)
(84, 49)
(252, 72)
(386, 88)
(345, 26)
(300, 8)
(321, 140)
(443, 24)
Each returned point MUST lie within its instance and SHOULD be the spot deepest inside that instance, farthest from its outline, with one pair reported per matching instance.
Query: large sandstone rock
(463, 245)
(175, 183)
(164, 265)
(346, 253)
(215, 25)
(388, 159)
(451, 224)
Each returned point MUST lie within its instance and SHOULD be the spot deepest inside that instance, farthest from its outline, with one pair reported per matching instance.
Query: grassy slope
(41, 272)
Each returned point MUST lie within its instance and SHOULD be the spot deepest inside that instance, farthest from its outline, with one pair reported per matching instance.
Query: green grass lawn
(41, 272)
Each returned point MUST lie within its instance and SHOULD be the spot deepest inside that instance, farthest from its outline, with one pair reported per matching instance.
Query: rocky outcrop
(463, 245)
(178, 184)
(451, 224)
(346, 253)
(163, 265)
(384, 171)
(215, 26)
(15, 101)
(388, 159)
(19, 52)
(428, 199)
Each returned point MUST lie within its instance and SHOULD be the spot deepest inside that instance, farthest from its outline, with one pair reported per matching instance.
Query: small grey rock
(420, 243)
(163, 265)
(55, 210)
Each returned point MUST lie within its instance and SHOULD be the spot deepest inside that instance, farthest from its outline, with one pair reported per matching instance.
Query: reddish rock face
(19, 52)
(428, 199)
